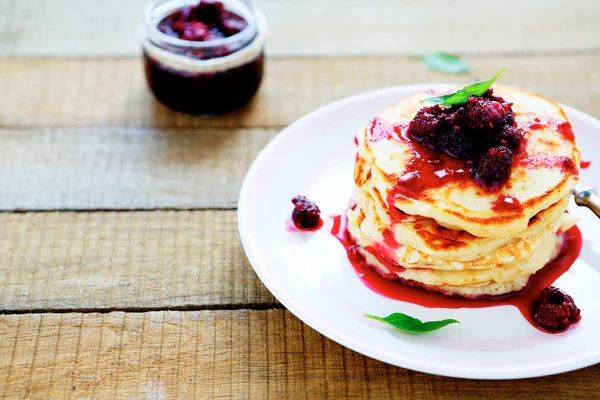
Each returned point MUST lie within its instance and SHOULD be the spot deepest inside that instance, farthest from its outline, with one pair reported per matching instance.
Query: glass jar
(204, 77)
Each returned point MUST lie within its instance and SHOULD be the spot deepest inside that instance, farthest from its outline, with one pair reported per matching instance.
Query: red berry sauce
(562, 127)
(507, 204)
(429, 168)
(205, 93)
(409, 292)
(583, 164)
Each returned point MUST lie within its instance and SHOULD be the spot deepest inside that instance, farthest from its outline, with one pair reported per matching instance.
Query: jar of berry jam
(203, 56)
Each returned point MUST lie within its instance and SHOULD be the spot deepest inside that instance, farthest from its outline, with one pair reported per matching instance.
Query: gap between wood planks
(112, 210)
(207, 307)
(467, 54)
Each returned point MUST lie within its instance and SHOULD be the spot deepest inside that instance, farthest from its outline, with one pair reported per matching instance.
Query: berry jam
(206, 21)
(482, 132)
(204, 59)
(204, 93)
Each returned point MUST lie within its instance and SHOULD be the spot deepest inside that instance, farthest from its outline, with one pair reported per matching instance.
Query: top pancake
(544, 173)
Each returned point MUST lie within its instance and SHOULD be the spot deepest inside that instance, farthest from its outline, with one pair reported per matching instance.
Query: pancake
(433, 246)
(546, 172)
(479, 280)
(440, 243)
(421, 216)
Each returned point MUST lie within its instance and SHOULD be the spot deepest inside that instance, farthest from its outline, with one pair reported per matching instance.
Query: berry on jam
(509, 136)
(554, 310)
(484, 114)
(306, 214)
(210, 10)
(195, 31)
(208, 20)
(425, 123)
(231, 26)
(480, 131)
(455, 142)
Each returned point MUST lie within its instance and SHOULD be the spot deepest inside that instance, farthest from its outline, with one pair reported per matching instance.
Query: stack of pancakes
(452, 238)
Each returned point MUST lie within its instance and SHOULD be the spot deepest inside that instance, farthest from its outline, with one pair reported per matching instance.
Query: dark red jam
(206, 21)
(411, 292)
(306, 215)
(205, 93)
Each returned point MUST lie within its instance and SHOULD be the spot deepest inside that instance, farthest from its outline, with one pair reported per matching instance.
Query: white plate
(311, 276)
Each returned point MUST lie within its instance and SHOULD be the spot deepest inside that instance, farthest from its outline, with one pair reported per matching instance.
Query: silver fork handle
(587, 197)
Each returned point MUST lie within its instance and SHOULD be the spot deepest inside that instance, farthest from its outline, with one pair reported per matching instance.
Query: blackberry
(455, 142)
(427, 122)
(495, 165)
(484, 114)
(509, 136)
(510, 115)
(306, 214)
(554, 310)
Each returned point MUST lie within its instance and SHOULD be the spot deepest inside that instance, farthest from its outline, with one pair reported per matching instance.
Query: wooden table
(121, 271)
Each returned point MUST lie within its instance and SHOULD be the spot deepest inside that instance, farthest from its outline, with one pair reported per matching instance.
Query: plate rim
(245, 232)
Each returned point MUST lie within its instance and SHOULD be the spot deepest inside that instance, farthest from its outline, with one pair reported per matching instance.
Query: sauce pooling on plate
(523, 300)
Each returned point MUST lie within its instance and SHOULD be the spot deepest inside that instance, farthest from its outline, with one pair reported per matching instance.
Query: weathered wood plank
(140, 168)
(228, 354)
(38, 92)
(125, 261)
(125, 168)
(375, 27)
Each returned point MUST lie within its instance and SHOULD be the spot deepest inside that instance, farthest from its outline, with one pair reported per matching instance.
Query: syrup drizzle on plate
(522, 300)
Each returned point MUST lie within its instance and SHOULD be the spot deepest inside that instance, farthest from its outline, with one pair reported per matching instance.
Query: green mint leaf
(461, 96)
(409, 324)
(445, 62)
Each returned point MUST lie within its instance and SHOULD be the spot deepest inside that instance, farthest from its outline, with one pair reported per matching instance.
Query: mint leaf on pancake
(461, 96)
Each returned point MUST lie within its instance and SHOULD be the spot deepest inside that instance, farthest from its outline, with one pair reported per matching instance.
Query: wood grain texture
(238, 354)
(125, 168)
(178, 161)
(149, 260)
(339, 27)
(79, 92)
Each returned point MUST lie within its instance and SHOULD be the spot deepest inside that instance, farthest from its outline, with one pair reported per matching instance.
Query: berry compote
(203, 57)
(482, 131)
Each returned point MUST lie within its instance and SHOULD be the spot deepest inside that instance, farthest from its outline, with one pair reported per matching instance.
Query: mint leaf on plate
(445, 62)
(409, 324)
(461, 96)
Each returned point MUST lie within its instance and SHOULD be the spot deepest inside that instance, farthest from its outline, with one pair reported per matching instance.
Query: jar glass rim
(244, 36)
